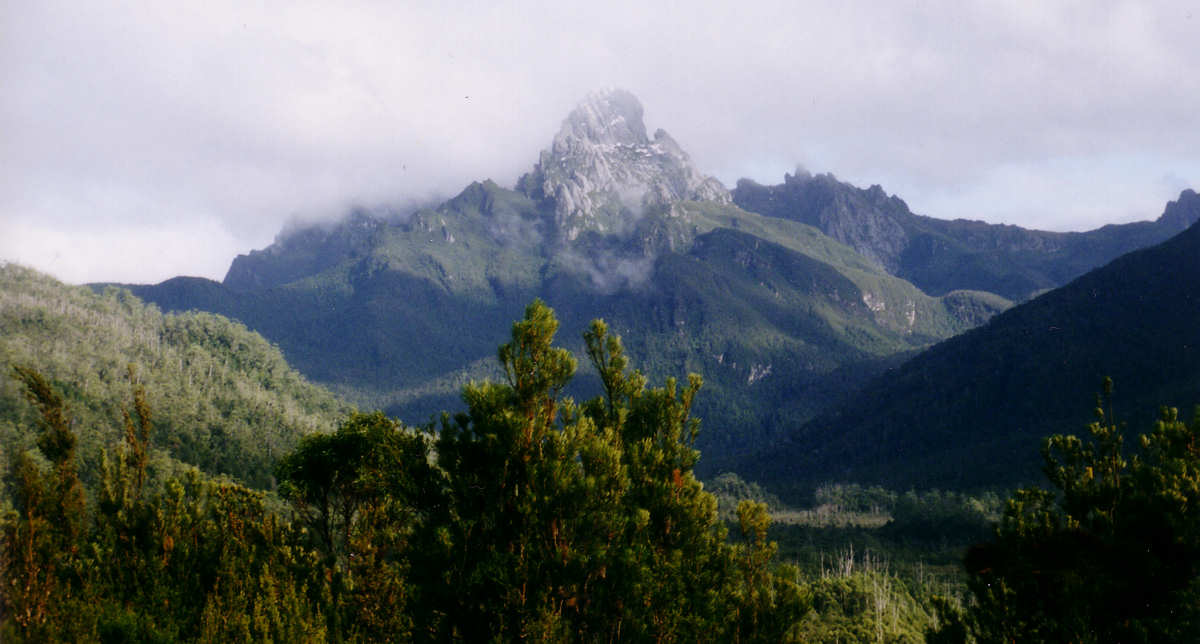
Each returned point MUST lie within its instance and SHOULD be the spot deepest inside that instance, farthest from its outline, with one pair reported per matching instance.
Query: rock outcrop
(603, 173)
(869, 221)
(1180, 214)
(304, 249)
(941, 256)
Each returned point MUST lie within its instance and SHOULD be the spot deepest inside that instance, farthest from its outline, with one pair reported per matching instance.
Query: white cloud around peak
(202, 127)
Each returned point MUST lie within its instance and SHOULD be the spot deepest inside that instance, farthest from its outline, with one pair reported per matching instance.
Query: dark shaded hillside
(769, 329)
(941, 255)
(971, 411)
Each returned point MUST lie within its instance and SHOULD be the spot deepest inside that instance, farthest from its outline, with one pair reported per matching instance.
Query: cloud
(128, 253)
(608, 270)
(207, 125)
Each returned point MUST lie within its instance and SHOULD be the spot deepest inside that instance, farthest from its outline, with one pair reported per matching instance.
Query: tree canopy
(1108, 552)
(526, 516)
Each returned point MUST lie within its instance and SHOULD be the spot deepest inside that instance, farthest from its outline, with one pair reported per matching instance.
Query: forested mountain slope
(940, 255)
(398, 310)
(971, 411)
(222, 397)
(777, 317)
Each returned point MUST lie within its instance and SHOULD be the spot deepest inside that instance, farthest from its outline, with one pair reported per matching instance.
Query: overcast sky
(139, 141)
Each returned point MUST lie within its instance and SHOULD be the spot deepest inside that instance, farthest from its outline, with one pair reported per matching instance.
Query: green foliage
(679, 562)
(528, 517)
(226, 400)
(574, 521)
(730, 490)
(357, 493)
(1032, 367)
(40, 559)
(864, 606)
(938, 515)
(767, 604)
(190, 560)
(1110, 552)
(524, 474)
(871, 564)
(941, 255)
(777, 317)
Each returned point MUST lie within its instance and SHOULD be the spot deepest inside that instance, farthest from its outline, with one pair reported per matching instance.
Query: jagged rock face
(869, 221)
(301, 250)
(602, 172)
(939, 255)
(1180, 214)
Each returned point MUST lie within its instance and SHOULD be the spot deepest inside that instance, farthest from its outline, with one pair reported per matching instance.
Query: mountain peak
(1183, 212)
(868, 220)
(603, 173)
(611, 116)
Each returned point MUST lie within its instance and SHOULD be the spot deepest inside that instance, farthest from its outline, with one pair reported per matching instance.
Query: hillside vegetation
(224, 398)
(940, 255)
(529, 516)
(969, 412)
(778, 318)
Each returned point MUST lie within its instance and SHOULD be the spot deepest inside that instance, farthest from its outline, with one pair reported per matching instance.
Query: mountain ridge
(941, 255)
(780, 318)
(422, 304)
(971, 411)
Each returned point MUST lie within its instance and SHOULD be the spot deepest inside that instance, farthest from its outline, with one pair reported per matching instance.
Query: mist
(143, 140)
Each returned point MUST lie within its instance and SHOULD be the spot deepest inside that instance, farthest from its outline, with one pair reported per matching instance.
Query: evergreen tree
(40, 562)
(533, 493)
(1111, 552)
(529, 517)
(359, 494)
(195, 560)
(675, 560)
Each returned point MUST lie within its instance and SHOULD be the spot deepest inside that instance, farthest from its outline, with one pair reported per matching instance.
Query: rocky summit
(603, 173)
(1180, 214)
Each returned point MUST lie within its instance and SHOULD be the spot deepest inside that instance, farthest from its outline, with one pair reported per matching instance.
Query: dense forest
(226, 401)
(969, 411)
(780, 319)
(526, 516)
(531, 516)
